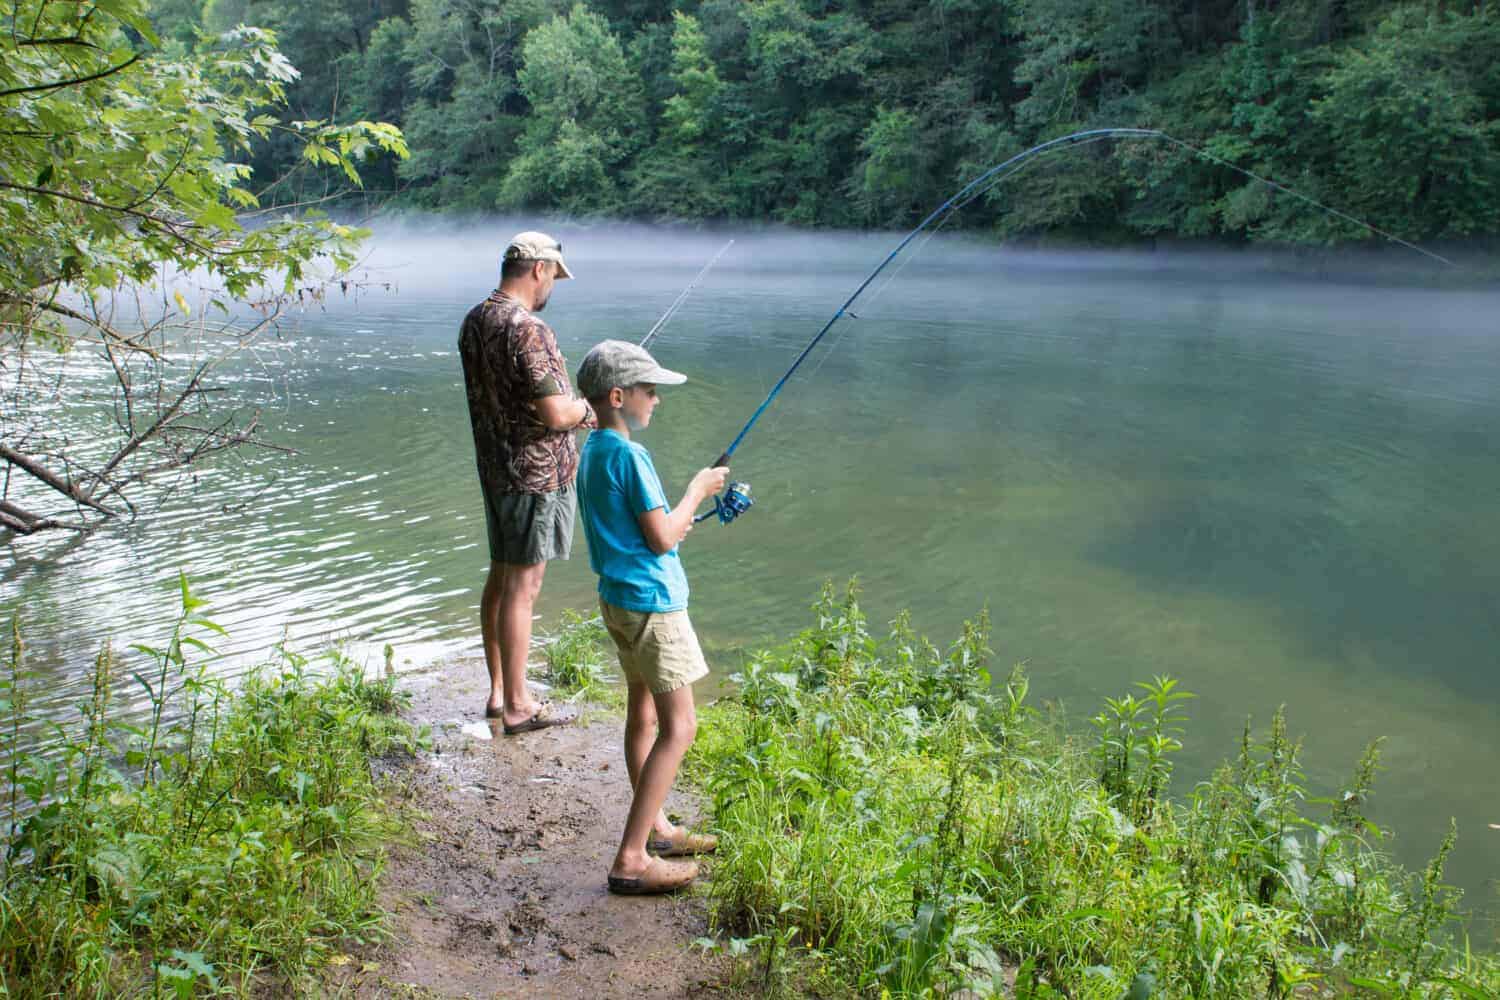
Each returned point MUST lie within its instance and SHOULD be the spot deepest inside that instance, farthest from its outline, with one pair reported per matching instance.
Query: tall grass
(916, 830)
(226, 837)
(581, 660)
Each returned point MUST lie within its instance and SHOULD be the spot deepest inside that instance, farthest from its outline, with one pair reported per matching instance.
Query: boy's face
(636, 405)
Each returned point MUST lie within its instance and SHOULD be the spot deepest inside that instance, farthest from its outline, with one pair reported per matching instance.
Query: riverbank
(895, 824)
(500, 889)
(892, 823)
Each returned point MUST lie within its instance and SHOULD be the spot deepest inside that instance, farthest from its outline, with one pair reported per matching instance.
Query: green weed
(225, 838)
(580, 658)
(896, 821)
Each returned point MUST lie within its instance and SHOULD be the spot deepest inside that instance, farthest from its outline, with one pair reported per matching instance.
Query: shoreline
(499, 890)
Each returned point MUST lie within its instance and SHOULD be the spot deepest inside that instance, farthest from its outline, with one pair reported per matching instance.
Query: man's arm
(664, 531)
(561, 412)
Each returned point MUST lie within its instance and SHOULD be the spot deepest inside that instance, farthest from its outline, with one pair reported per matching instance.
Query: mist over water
(1279, 490)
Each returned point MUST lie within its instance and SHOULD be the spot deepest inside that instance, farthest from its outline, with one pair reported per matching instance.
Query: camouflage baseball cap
(537, 246)
(618, 364)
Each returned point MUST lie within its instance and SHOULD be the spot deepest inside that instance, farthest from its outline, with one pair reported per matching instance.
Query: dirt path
(504, 894)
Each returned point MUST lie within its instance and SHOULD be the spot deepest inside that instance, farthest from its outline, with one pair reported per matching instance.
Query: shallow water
(1278, 490)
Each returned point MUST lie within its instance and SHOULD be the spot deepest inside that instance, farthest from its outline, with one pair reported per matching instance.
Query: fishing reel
(735, 501)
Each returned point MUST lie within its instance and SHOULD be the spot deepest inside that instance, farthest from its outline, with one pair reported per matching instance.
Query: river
(1278, 488)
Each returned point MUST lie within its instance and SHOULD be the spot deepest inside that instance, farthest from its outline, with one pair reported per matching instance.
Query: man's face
(544, 282)
(637, 404)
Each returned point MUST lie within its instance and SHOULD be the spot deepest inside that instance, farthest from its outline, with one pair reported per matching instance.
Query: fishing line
(683, 296)
(737, 498)
(952, 212)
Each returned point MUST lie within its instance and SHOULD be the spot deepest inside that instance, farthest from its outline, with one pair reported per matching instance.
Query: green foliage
(121, 156)
(230, 835)
(464, 112)
(1412, 125)
(586, 116)
(580, 657)
(894, 824)
(864, 112)
(1136, 738)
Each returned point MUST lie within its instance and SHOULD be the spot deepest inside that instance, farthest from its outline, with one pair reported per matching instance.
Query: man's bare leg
(505, 610)
(677, 725)
(640, 734)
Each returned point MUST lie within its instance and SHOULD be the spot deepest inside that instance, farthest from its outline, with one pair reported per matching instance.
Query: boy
(632, 538)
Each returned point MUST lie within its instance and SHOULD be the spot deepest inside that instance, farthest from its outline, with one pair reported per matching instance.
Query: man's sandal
(660, 877)
(545, 718)
(681, 844)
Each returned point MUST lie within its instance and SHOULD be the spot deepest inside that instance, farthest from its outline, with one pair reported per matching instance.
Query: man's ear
(616, 398)
(539, 269)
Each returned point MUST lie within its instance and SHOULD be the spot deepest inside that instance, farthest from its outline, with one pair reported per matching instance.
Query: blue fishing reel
(735, 501)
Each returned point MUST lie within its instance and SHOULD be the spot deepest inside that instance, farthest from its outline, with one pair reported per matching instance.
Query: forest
(868, 113)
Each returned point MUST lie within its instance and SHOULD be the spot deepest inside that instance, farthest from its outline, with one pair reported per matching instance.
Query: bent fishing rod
(737, 498)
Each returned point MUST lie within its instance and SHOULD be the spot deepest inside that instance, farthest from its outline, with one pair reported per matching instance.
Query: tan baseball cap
(619, 364)
(537, 246)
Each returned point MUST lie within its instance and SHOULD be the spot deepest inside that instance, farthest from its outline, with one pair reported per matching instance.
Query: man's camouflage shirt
(510, 358)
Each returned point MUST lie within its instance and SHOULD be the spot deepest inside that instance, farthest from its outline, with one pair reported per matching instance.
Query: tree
(586, 116)
(464, 110)
(681, 176)
(1411, 126)
(122, 165)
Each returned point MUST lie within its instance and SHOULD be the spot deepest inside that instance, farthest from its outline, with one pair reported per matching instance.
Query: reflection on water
(1278, 491)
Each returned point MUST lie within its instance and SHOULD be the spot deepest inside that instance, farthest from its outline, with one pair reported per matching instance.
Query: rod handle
(721, 461)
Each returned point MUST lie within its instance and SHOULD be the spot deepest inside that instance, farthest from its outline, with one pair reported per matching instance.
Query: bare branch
(24, 522)
(59, 40)
(38, 471)
(109, 334)
(162, 421)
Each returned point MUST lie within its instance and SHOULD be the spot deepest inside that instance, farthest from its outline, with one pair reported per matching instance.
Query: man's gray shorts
(529, 528)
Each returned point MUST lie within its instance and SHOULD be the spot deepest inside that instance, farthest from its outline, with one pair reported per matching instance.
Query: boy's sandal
(545, 718)
(681, 844)
(658, 878)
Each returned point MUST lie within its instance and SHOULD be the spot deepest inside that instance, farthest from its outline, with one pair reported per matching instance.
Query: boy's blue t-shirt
(616, 484)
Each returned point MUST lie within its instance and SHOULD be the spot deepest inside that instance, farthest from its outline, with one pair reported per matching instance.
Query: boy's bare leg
(640, 734)
(677, 725)
(505, 610)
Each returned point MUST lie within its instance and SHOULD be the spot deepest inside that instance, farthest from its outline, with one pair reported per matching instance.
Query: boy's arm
(662, 530)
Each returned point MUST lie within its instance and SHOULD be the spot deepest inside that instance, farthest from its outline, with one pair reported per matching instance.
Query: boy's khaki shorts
(657, 648)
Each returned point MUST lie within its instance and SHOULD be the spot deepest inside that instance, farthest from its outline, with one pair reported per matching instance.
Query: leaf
(1462, 988)
(194, 961)
(182, 303)
(141, 680)
(189, 602)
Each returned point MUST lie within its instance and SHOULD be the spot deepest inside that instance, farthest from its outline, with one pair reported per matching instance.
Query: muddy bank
(502, 893)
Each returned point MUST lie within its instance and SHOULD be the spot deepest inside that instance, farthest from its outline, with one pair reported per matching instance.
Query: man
(524, 414)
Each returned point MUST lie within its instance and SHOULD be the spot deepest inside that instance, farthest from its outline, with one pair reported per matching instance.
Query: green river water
(1278, 489)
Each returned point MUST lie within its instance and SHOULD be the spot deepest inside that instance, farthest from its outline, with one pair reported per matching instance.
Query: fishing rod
(737, 499)
(681, 298)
